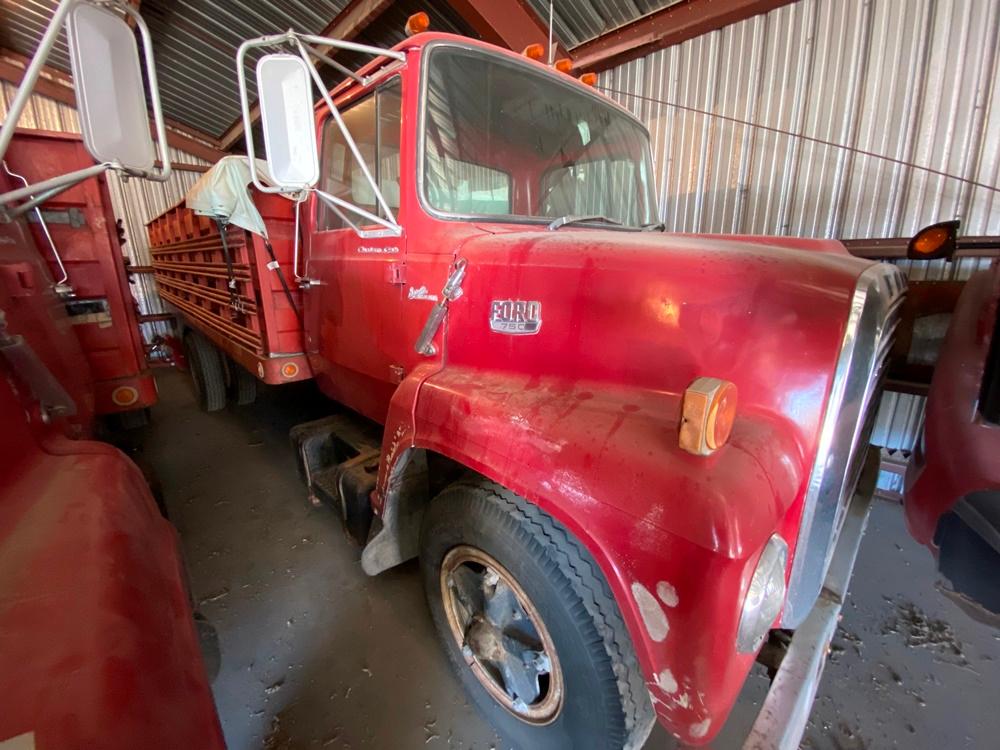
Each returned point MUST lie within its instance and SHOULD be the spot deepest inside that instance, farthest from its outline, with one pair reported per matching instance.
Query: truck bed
(254, 323)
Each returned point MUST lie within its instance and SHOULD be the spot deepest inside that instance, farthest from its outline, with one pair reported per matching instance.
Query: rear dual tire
(216, 378)
(584, 686)
(208, 375)
(242, 385)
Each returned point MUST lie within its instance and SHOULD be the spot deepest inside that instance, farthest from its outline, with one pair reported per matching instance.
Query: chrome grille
(845, 431)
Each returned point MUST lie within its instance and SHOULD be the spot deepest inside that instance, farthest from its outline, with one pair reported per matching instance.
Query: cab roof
(347, 88)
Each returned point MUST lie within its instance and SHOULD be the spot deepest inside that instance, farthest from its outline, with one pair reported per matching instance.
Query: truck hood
(652, 310)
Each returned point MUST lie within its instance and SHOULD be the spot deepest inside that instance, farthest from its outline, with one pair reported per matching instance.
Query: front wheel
(529, 623)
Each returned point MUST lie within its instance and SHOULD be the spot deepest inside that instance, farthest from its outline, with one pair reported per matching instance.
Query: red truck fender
(659, 522)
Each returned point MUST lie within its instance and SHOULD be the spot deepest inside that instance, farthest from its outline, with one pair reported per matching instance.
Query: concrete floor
(316, 654)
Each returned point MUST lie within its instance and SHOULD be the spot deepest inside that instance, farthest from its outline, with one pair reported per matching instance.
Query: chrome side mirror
(109, 93)
(284, 88)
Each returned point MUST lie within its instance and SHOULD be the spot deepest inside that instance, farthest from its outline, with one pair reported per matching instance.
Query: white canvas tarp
(222, 193)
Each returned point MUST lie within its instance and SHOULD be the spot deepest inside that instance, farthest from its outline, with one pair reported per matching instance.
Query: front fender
(578, 446)
(676, 535)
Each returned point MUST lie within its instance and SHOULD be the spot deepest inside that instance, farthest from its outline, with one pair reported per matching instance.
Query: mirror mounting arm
(348, 138)
(154, 93)
(40, 192)
(389, 226)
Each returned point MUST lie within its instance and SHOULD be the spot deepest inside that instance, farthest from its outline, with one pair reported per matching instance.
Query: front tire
(529, 623)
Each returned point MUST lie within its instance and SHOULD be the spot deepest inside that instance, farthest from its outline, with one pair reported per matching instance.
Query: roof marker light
(563, 65)
(534, 51)
(417, 23)
(589, 79)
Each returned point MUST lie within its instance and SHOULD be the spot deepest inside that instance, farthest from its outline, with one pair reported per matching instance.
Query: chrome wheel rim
(501, 635)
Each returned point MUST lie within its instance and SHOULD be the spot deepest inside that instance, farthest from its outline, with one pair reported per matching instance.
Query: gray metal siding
(917, 81)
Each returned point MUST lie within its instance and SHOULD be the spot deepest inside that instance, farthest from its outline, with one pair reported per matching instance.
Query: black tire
(605, 702)
(207, 372)
(242, 385)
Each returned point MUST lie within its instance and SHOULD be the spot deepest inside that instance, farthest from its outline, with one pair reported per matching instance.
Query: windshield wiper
(571, 219)
(656, 226)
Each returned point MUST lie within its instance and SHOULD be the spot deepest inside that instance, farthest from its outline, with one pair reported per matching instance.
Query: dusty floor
(316, 654)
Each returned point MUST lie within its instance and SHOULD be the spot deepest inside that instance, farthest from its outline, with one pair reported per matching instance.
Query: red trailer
(76, 231)
(234, 295)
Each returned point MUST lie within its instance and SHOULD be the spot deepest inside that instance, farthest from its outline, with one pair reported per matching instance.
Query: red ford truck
(952, 497)
(622, 456)
(98, 646)
(77, 229)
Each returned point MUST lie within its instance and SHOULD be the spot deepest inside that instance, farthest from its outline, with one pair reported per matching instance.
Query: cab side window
(374, 123)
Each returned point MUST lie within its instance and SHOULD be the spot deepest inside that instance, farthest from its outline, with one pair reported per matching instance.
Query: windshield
(504, 141)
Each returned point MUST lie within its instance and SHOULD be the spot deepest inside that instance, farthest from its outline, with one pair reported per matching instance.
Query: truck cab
(623, 456)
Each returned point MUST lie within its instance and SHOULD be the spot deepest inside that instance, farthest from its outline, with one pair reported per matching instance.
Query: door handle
(452, 291)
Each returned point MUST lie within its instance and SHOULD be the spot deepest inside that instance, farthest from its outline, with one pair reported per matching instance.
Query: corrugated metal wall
(917, 81)
(135, 202)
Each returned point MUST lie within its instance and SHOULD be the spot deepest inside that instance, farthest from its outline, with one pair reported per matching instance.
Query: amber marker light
(124, 395)
(417, 23)
(589, 79)
(534, 51)
(933, 242)
(563, 65)
(289, 370)
(707, 415)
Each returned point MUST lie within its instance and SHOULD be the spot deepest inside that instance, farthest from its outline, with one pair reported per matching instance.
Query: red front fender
(675, 535)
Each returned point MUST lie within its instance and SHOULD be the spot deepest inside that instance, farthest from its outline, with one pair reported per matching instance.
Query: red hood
(654, 311)
(637, 317)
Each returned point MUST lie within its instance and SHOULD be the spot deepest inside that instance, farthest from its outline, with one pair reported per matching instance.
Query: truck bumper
(782, 719)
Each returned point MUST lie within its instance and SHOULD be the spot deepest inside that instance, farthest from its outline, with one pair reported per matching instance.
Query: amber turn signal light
(707, 415)
(934, 242)
(589, 79)
(534, 51)
(563, 65)
(417, 23)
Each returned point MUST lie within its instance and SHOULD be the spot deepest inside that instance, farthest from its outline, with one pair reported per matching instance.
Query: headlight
(764, 597)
